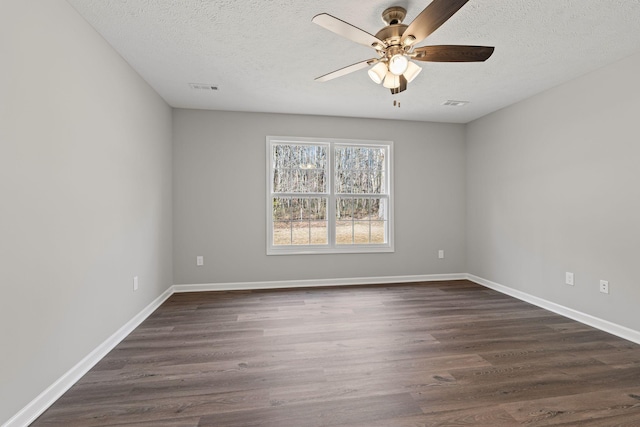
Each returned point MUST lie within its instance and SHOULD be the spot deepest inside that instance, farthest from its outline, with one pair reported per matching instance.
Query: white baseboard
(235, 286)
(37, 406)
(587, 319)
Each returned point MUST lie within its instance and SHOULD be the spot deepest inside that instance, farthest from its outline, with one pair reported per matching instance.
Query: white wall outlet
(135, 283)
(199, 260)
(441, 254)
(568, 278)
(604, 286)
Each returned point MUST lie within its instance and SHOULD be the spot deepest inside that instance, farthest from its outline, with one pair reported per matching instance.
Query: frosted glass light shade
(412, 71)
(398, 64)
(391, 81)
(377, 72)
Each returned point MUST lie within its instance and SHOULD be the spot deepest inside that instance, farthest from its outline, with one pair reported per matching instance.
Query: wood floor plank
(499, 390)
(173, 422)
(93, 414)
(448, 353)
(579, 408)
(319, 414)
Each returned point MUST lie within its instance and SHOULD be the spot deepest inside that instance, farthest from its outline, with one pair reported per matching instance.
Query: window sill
(360, 249)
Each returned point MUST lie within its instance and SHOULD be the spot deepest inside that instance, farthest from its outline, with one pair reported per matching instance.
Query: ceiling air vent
(452, 103)
(206, 87)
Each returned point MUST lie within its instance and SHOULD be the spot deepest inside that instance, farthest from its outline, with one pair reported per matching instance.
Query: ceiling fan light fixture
(378, 72)
(409, 40)
(391, 81)
(398, 64)
(412, 71)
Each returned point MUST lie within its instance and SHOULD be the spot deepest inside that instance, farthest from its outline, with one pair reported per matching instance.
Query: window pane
(299, 168)
(359, 181)
(281, 208)
(345, 182)
(319, 234)
(295, 208)
(312, 182)
(344, 209)
(361, 232)
(344, 232)
(299, 178)
(354, 157)
(310, 157)
(378, 209)
(281, 233)
(378, 231)
(355, 183)
(377, 158)
(279, 157)
(360, 170)
(318, 209)
(360, 158)
(361, 208)
(377, 182)
(281, 180)
(304, 208)
(340, 159)
(300, 233)
(302, 176)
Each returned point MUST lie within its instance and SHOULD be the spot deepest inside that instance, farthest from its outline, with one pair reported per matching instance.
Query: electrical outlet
(135, 283)
(199, 260)
(604, 286)
(441, 254)
(568, 279)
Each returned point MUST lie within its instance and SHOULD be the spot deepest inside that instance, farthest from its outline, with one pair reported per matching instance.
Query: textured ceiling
(264, 54)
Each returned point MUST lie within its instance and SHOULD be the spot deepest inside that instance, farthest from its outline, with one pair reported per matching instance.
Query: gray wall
(553, 186)
(219, 198)
(85, 185)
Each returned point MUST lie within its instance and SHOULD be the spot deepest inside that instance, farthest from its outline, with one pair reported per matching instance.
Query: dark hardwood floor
(429, 354)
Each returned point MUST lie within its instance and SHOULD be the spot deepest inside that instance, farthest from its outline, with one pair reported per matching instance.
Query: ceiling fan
(395, 44)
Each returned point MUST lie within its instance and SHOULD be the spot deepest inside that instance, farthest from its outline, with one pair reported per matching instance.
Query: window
(329, 196)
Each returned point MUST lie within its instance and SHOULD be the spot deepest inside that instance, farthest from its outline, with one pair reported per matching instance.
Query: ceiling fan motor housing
(392, 33)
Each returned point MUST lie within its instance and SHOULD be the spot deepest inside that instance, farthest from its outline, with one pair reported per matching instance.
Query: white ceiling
(264, 54)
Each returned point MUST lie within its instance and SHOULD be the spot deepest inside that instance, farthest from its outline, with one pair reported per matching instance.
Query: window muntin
(328, 196)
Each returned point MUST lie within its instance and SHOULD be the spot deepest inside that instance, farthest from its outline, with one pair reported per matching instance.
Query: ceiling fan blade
(453, 53)
(346, 70)
(401, 88)
(347, 30)
(430, 19)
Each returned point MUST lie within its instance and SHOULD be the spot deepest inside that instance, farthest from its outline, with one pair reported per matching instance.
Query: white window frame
(331, 247)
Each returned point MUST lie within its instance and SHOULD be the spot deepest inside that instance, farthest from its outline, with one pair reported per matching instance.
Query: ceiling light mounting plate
(394, 15)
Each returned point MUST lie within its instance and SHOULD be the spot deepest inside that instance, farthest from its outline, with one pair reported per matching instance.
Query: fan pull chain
(396, 103)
